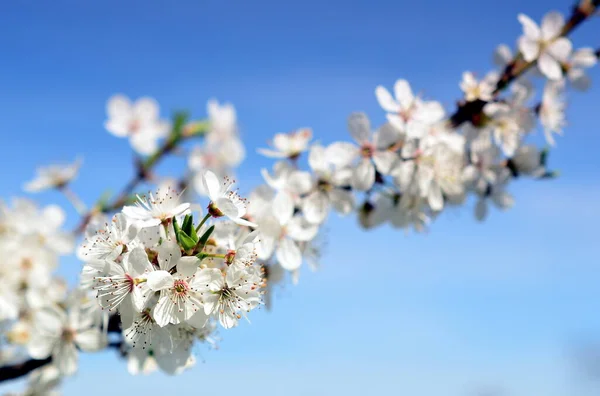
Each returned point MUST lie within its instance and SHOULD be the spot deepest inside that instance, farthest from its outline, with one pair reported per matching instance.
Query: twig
(517, 67)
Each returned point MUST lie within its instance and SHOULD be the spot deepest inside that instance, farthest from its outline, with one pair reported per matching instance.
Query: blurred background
(507, 307)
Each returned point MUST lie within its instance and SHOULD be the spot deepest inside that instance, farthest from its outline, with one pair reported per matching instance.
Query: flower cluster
(38, 315)
(170, 280)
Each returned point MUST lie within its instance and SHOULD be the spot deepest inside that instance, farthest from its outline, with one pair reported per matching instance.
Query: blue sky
(465, 307)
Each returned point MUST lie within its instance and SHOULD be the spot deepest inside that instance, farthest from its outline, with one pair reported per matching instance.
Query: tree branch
(467, 111)
(15, 371)
(144, 169)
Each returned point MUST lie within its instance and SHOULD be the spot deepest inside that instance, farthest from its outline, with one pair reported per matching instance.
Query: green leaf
(186, 242)
(193, 233)
(176, 228)
(205, 236)
(188, 224)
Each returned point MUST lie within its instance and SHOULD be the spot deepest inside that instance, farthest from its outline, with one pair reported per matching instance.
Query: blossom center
(181, 287)
(367, 151)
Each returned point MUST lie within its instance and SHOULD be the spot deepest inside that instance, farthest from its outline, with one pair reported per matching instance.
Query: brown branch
(467, 111)
(15, 371)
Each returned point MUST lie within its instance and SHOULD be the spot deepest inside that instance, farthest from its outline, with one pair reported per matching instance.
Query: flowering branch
(167, 280)
(467, 110)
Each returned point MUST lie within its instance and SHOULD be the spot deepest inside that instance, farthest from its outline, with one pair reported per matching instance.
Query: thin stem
(210, 255)
(208, 216)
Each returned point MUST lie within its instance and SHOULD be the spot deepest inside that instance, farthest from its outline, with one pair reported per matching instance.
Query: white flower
(508, 123)
(502, 56)
(527, 161)
(544, 44)
(150, 211)
(223, 201)
(223, 120)
(407, 112)
(53, 176)
(552, 110)
(282, 232)
(580, 60)
(436, 170)
(483, 166)
(59, 334)
(145, 334)
(242, 254)
(498, 195)
(473, 89)
(373, 152)
(331, 188)
(139, 121)
(231, 296)
(410, 210)
(179, 300)
(119, 285)
(288, 178)
(289, 145)
(109, 241)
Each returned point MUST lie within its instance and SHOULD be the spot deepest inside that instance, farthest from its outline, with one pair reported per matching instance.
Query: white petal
(315, 207)
(502, 55)
(136, 262)
(288, 255)
(550, 67)
(584, 57)
(341, 154)
(435, 198)
(283, 207)
(228, 207)
(364, 175)
(126, 310)
(342, 200)
(169, 254)
(529, 48)
(385, 99)
(211, 185)
(159, 280)
(530, 28)
(198, 319)
(164, 311)
(579, 79)
(552, 25)
(317, 158)
(403, 93)
(561, 49)
(65, 358)
(90, 340)
(385, 161)
(146, 109)
(118, 106)
(386, 136)
(359, 127)
(144, 144)
(187, 266)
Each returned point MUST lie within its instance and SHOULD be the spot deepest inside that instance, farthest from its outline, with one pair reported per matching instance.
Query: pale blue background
(467, 307)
